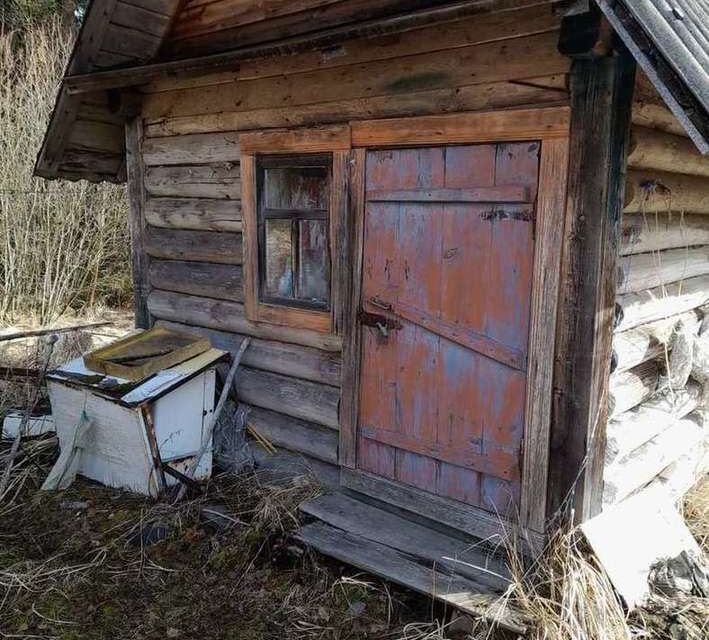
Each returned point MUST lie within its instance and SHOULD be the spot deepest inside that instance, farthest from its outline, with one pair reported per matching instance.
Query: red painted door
(446, 287)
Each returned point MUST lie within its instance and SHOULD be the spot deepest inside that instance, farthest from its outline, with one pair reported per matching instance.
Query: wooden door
(448, 257)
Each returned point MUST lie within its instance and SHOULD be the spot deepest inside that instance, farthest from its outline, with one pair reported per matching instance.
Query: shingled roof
(670, 41)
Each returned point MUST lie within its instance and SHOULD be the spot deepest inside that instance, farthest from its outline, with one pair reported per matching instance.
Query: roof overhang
(662, 39)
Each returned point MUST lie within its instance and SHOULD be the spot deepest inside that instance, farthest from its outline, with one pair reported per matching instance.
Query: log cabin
(469, 241)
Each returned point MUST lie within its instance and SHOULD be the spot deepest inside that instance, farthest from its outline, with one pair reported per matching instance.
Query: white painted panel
(178, 420)
(115, 451)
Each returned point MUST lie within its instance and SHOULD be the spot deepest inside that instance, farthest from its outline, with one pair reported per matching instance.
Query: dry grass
(63, 245)
(565, 594)
(696, 513)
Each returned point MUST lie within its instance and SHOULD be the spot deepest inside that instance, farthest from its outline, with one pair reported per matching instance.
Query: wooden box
(142, 354)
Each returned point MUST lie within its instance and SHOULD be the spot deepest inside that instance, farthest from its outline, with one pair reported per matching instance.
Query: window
(294, 186)
(293, 209)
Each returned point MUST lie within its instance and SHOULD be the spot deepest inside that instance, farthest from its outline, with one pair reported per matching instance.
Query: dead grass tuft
(565, 594)
(696, 513)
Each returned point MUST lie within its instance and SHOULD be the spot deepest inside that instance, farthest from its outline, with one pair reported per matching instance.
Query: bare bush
(63, 245)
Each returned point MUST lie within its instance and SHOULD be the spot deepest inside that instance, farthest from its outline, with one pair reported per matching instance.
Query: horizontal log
(647, 342)
(650, 149)
(627, 389)
(648, 270)
(201, 214)
(478, 30)
(192, 149)
(283, 466)
(279, 357)
(635, 309)
(229, 316)
(659, 231)
(425, 102)
(194, 181)
(655, 116)
(295, 435)
(634, 428)
(291, 396)
(222, 281)
(196, 246)
(660, 192)
(691, 467)
(640, 467)
(477, 64)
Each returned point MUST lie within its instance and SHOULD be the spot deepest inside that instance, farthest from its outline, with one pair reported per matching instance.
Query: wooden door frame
(550, 127)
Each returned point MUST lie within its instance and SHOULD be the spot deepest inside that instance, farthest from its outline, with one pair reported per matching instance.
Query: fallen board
(631, 536)
(387, 563)
(464, 557)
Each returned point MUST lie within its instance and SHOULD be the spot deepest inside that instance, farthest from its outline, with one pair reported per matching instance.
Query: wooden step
(431, 547)
(402, 568)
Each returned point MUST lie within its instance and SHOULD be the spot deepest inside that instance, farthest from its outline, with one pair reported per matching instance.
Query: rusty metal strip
(468, 338)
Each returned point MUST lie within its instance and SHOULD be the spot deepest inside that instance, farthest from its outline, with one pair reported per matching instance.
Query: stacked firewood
(658, 429)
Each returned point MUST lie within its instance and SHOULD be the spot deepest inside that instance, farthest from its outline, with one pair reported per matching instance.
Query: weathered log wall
(658, 410)
(291, 377)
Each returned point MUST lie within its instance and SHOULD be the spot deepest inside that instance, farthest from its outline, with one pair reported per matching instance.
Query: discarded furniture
(142, 434)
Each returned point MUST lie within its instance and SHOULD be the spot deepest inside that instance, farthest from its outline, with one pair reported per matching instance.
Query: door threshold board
(491, 528)
(391, 564)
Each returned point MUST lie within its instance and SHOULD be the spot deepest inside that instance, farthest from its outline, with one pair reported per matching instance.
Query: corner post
(601, 89)
(136, 221)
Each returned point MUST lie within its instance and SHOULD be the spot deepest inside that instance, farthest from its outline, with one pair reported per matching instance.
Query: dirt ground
(92, 562)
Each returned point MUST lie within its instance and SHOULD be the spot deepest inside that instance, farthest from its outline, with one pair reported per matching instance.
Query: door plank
(500, 464)
(504, 193)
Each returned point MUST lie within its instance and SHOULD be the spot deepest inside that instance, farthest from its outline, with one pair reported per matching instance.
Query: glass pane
(279, 258)
(296, 188)
(313, 276)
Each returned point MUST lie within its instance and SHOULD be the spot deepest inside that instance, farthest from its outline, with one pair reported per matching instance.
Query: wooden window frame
(550, 127)
(317, 141)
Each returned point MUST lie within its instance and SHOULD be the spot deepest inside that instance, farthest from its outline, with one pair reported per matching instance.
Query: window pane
(297, 188)
(279, 259)
(313, 276)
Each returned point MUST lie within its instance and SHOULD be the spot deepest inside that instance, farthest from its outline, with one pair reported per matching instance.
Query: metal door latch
(380, 322)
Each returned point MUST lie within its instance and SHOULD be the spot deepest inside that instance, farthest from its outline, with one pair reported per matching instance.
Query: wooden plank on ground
(382, 561)
(468, 519)
(384, 527)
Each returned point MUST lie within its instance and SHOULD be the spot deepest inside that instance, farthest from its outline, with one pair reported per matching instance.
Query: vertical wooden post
(136, 221)
(349, 404)
(601, 100)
